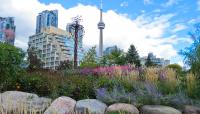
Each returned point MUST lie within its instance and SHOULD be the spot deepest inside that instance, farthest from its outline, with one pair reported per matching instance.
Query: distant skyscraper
(158, 61)
(101, 26)
(46, 19)
(7, 30)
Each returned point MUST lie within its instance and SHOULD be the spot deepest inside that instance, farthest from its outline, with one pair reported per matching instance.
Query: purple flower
(101, 92)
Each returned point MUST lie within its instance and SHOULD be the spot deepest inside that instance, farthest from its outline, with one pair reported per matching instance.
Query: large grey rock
(15, 101)
(191, 110)
(157, 109)
(37, 104)
(90, 106)
(118, 107)
(62, 105)
(1, 107)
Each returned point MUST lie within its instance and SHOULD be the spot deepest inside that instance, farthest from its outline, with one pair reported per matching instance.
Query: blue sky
(186, 12)
(158, 26)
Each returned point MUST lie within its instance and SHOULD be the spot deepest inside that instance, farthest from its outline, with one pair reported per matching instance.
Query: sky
(158, 26)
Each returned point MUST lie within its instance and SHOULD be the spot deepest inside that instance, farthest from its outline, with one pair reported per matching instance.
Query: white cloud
(124, 4)
(146, 33)
(179, 27)
(170, 3)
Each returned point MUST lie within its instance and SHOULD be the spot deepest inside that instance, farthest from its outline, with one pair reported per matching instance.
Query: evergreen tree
(132, 56)
(149, 62)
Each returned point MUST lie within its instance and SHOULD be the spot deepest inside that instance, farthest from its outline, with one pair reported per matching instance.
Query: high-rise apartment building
(55, 45)
(46, 18)
(7, 30)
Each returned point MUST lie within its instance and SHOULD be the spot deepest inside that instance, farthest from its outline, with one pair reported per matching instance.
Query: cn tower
(101, 26)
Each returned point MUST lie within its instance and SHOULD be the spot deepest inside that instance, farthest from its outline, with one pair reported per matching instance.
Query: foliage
(149, 62)
(179, 100)
(64, 65)
(175, 67)
(192, 86)
(34, 62)
(168, 81)
(192, 54)
(33, 84)
(132, 56)
(118, 94)
(90, 59)
(10, 64)
(115, 57)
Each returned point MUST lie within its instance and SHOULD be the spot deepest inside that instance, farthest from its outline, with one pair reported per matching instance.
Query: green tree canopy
(90, 59)
(11, 59)
(115, 57)
(35, 62)
(175, 67)
(65, 65)
(132, 56)
(191, 54)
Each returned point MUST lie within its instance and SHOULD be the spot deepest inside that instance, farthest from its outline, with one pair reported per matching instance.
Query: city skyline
(151, 27)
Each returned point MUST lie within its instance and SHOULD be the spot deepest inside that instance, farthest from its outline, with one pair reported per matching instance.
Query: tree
(34, 62)
(116, 57)
(175, 67)
(11, 59)
(191, 54)
(149, 62)
(132, 56)
(65, 65)
(90, 59)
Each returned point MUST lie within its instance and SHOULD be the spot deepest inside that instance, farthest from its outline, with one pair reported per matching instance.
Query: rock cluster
(15, 102)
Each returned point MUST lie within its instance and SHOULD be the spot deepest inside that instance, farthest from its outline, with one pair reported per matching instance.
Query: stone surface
(62, 105)
(191, 110)
(1, 107)
(157, 109)
(90, 106)
(123, 107)
(20, 101)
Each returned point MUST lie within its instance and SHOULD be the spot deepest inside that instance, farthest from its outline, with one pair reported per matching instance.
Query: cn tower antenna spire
(101, 26)
(101, 5)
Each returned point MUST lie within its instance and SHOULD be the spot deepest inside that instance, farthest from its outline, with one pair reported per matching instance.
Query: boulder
(15, 101)
(158, 109)
(122, 107)
(90, 106)
(1, 107)
(191, 110)
(36, 105)
(62, 105)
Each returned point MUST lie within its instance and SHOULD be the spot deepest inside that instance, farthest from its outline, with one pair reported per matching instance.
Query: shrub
(168, 82)
(34, 84)
(118, 94)
(147, 93)
(178, 100)
(192, 85)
